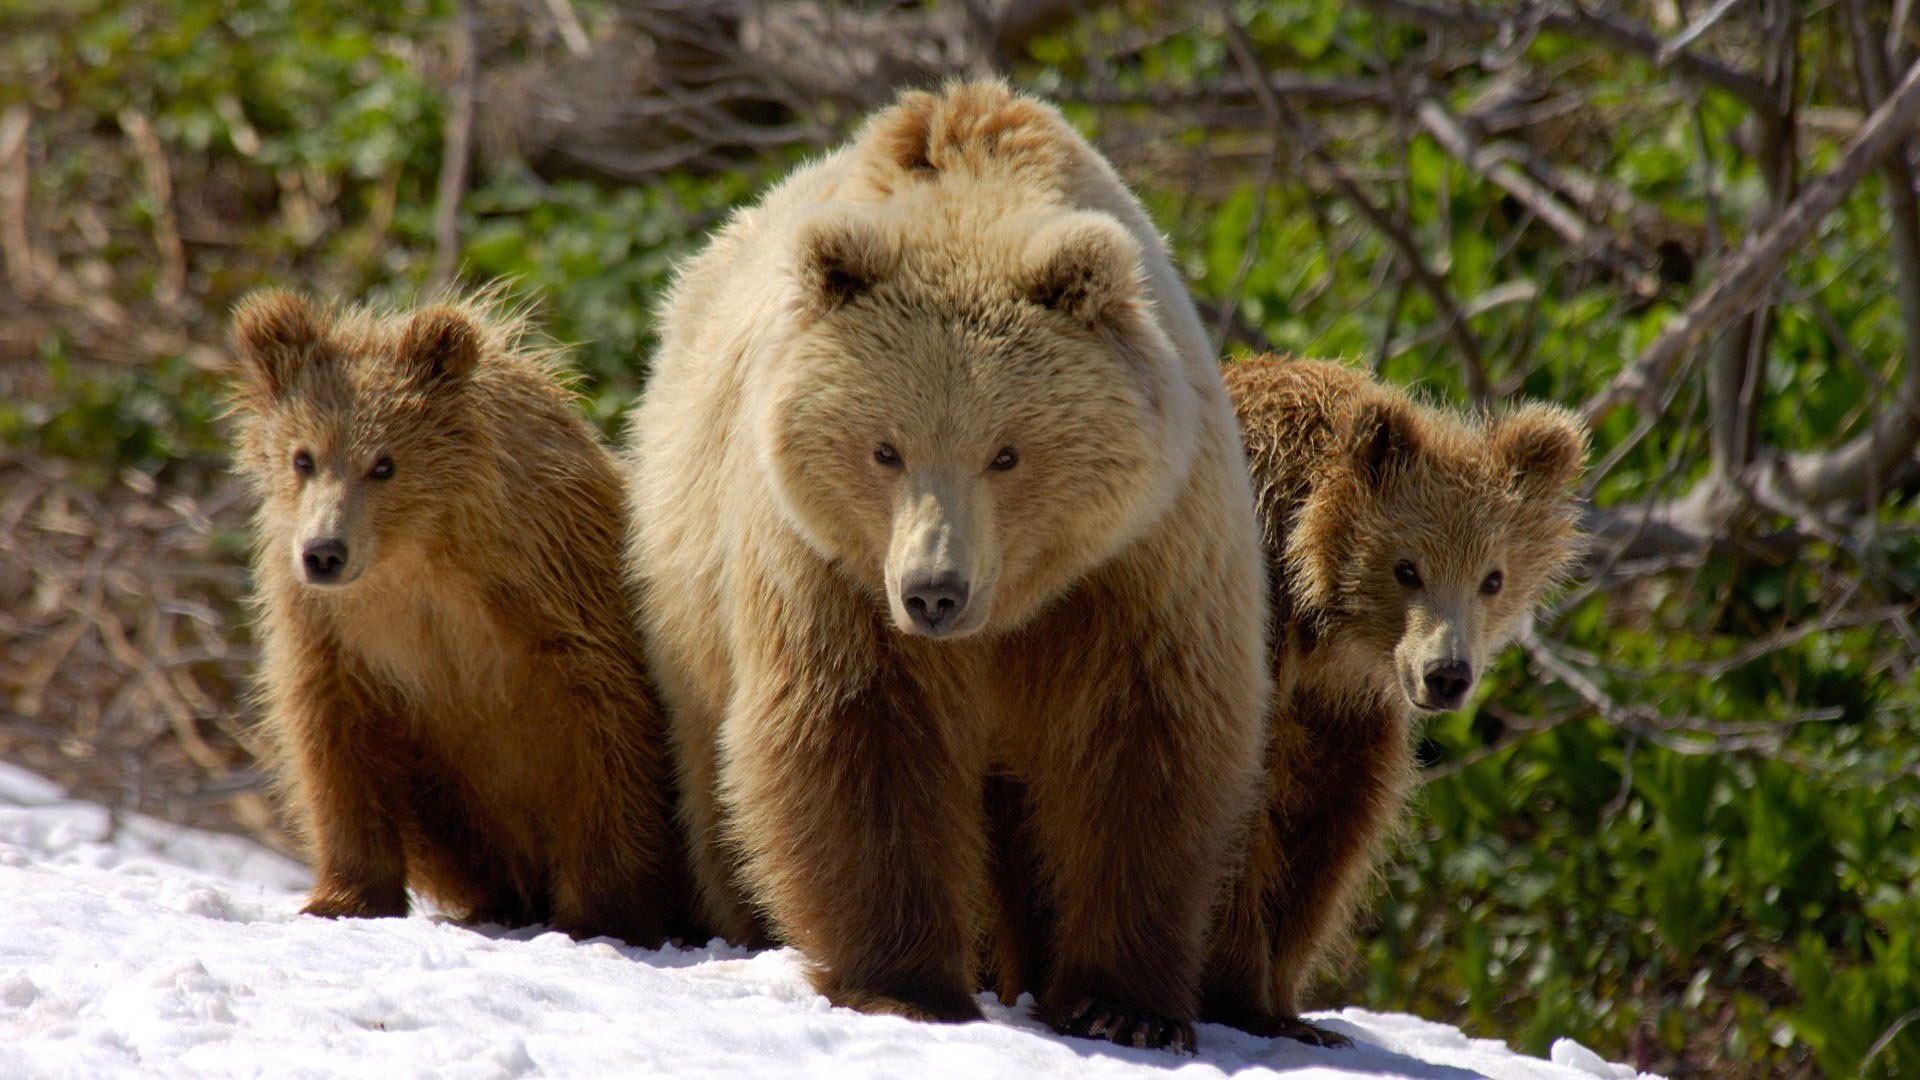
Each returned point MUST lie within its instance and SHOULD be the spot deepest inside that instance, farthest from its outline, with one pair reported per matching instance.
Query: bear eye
(382, 469)
(1492, 584)
(303, 463)
(886, 455)
(1405, 574)
(1004, 460)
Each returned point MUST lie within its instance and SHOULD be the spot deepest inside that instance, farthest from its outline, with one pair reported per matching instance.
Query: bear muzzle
(936, 604)
(1447, 683)
(324, 561)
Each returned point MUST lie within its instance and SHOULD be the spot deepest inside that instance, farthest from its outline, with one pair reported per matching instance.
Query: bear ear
(274, 332)
(1383, 440)
(841, 257)
(1083, 265)
(440, 344)
(1543, 446)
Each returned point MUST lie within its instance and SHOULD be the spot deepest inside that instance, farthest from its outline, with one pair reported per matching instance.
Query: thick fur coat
(1405, 543)
(935, 478)
(451, 670)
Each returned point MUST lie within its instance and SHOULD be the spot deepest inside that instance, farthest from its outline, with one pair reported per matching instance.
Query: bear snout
(935, 603)
(1447, 683)
(324, 560)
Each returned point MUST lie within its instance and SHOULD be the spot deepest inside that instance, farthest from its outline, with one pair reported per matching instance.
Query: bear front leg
(721, 906)
(1014, 956)
(1341, 769)
(622, 873)
(858, 810)
(348, 780)
(1136, 803)
(1240, 986)
(1237, 983)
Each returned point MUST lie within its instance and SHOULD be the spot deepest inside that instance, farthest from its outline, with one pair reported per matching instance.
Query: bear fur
(935, 476)
(451, 672)
(1405, 544)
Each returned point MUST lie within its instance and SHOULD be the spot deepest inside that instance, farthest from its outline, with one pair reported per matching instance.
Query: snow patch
(134, 948)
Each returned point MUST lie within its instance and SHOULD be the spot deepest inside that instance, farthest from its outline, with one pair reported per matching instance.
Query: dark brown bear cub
(450, 673)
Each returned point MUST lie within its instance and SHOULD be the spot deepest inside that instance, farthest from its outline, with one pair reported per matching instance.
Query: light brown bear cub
(451, 672)
(936, 475)
(1405, 544)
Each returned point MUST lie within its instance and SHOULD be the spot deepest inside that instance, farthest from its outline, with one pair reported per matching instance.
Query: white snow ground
(130, 947)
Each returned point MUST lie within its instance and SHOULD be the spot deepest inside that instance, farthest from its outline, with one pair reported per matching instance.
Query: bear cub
(450, 669)
(1405, 543)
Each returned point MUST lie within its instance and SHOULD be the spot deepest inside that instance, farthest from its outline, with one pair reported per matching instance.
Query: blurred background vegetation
(1680, 823)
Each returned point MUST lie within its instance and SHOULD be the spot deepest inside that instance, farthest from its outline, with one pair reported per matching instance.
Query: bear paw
(928, 1007)
(1095, 1019)
(1292, 1027)
(356, 904)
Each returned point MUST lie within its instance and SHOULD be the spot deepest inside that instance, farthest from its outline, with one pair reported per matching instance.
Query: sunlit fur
(968, 275)
(1353, 477)
(466, 713)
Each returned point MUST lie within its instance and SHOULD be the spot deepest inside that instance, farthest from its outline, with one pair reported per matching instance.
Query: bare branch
(1230, 299)
(1734, 373)
(455, 155)
(569, 26)
(16, 242)
(166, 224)
(1472, 357)
(1864, 465)
(1609, 30)
(1692, 33)
(1759, 260)
(1452, 136)
(1682, 734)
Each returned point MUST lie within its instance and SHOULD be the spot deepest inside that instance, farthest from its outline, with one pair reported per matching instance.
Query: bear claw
(345, 905)
(1293, 1027)
(1090, 1019)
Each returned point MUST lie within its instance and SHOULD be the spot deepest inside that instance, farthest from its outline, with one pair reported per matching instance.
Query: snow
(130, 947)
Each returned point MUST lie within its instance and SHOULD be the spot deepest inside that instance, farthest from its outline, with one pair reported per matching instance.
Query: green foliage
(600, 258)
(1564, 875)
(1630, 888)
(117, 417)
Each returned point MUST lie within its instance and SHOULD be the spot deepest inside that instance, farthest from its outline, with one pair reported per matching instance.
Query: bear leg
(1016, 955)
(1131, 840)
(1237, 983)
(858, 810)
(618, 869)
(719, 897)
(352, 783)
(1324, 839)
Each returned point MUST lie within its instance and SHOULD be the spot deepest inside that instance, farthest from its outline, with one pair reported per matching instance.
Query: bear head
(970, 405)
(353, 428)
(1429, 538)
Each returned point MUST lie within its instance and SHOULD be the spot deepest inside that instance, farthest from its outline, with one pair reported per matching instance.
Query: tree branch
(455, 155)
(16, 241)
(1472, 357)
(1734, 372)
(1453, 137)
(1863, 466)
(1758, 261)
(166, 225)
(1692, 33)
(1610, 30)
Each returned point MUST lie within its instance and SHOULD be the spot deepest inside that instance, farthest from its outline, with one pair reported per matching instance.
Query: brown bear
(935, 474)
(1405, 543)
(451, 672)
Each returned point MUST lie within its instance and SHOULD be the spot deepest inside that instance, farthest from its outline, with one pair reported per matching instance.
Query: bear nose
(1448, 682)
(324, 559)
(935, 603)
